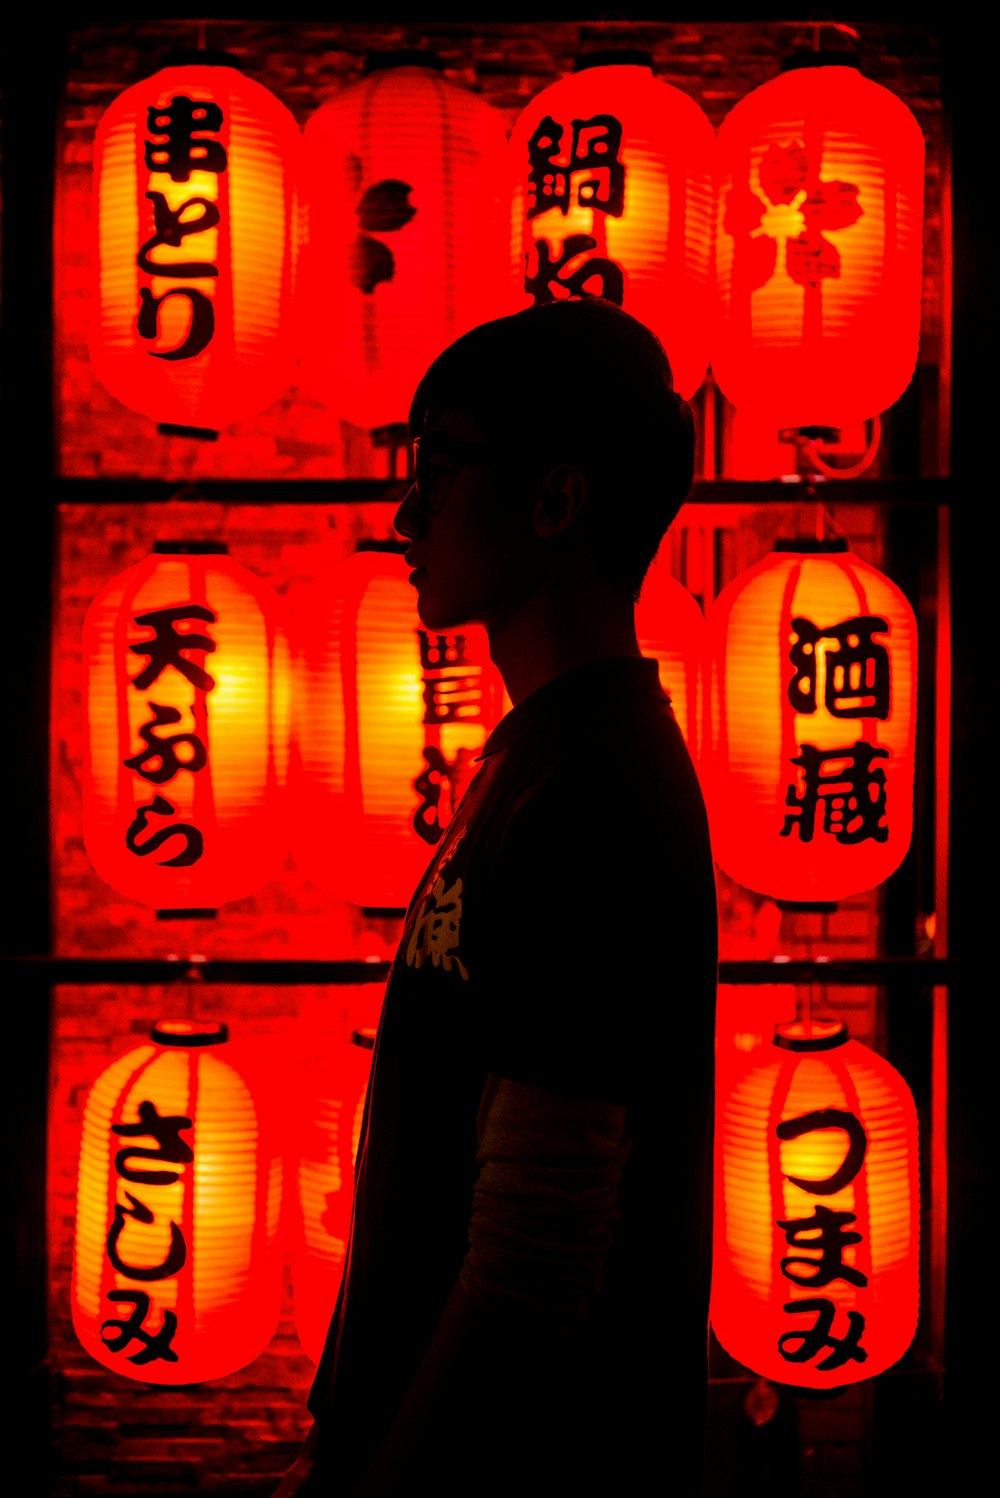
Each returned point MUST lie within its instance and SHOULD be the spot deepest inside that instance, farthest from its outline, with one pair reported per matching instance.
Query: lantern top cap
(613, 57)
(403, 57)
(189, 1032)
(828, 57)
(811, 1035)
(190, 548)
(209, 57)
(814, 544)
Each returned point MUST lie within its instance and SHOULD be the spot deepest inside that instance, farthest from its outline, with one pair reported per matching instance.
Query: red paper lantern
(187, 700)
(177, 1263)
(614, 196)
(331, 1092)
(815, 1278)
(390, 719)
(406, 221)
(671, 627)
(809, 761)
(818, 249)
(195, 180)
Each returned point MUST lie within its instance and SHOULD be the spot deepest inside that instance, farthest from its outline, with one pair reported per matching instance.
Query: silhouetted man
(525, 1301)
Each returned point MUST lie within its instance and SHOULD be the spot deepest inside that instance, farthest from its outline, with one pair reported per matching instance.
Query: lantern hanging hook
(817, 26)
(853, 470)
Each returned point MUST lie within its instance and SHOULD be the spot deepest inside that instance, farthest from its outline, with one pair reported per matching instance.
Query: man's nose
(407, 518)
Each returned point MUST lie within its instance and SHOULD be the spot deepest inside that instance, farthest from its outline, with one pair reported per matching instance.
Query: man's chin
(441, 621)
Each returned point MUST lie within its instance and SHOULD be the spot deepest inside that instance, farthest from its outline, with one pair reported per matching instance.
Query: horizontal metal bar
(882, 491)
(840, 972)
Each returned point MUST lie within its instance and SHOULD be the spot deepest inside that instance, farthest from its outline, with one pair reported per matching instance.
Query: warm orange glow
(818, 249)
(671, 627)
(178, 1209)
(625, 166)
(390, 718)
(859, 1270)
(812, 714)
(330, 1100)
(406, 202)
(186, 745)
(191, 326)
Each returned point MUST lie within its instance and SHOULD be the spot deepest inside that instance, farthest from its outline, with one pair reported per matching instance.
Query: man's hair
(580, 382)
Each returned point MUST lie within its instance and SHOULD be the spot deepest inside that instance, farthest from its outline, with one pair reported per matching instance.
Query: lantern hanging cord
(853, 470)
(826, 525)
(194, 977)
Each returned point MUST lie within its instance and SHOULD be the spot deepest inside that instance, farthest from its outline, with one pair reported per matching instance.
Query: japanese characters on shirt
(185, 163)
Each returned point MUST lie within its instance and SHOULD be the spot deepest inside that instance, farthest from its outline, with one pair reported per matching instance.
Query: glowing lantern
(808, 768)
(815, 1277)
(671, 627)
(177, 1265)
(406, 200)
(195, 187)
(818, 250)
(331, 1100)
(614, 196)
(392, 719)
(187, 700)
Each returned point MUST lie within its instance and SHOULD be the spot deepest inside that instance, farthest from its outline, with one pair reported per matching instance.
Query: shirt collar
(564, 701)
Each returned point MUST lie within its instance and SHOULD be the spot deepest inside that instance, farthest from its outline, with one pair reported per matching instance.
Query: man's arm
(544, 1210)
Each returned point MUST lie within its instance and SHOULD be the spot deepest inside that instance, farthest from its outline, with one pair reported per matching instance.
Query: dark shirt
(564, 938)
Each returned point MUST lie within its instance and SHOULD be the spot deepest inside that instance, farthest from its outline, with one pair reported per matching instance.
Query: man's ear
(562, 496)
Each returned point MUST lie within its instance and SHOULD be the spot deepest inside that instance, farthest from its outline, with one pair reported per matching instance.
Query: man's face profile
(467, 533)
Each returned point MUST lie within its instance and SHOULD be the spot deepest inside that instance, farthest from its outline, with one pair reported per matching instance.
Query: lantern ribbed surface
(614, 195)
(671, 627)
(809, 757)
(406, 201)
(195, 1264)
(186, 737)
(330, 1101)
(390, 718)
(226, 351)
(755, 1194)
(818, 249)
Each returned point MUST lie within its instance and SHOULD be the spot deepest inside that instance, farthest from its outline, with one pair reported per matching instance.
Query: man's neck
(548, 636)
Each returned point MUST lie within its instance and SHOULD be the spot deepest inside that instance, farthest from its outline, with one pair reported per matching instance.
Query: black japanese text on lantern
(160, 760)
(826, 1233)
(755, 220)
(135, 1220)
(589, 175)
(453, 695)
(844, 670)
(181, 146)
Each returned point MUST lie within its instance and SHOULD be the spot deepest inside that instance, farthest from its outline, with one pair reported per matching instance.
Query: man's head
(575, 398)
(583, 383)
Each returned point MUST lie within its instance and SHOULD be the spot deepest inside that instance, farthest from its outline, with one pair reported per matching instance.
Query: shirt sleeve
(545, 1203)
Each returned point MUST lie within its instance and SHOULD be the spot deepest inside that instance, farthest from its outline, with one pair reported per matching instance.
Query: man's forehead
(453, 422)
